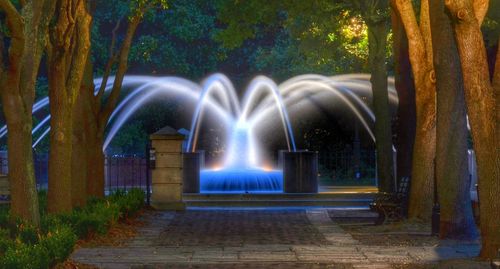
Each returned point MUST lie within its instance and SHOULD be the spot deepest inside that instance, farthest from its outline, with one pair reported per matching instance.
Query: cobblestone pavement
(240, 227)
(256, 239)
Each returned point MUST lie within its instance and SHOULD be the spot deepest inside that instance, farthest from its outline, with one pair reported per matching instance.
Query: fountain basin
(241, 180)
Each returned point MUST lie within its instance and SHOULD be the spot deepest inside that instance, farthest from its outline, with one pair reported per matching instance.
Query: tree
(420, 47)
(28, 35)
(96, 112)
(67, 54)
(405, 129)
(452, 173)
(375, 15)
(481, 96)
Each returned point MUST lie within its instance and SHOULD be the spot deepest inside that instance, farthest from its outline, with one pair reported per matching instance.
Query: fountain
(243, 167)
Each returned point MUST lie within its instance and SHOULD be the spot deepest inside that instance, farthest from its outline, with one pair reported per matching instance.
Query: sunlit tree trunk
(452, 173)
(67, 56)
(28, 34)
(406, 94)
(420, 47)
(481, 107)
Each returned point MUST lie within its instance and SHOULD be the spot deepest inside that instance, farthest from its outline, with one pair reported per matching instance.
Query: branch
(15, 24)
(113, 39)
(120, 73)
(480, 9)
(109, 65)
(416, 43)
(425, 29)
(81, 50)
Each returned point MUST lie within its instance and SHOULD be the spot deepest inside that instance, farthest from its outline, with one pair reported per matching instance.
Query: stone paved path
(255, 239)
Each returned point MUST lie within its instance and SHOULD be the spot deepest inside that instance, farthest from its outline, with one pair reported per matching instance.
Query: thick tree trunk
(28, 32)
(420, 48)
(452, 174)
(422, 182)
(79, 158)
(59, 192)
(377, 35)
(67, 58)
(481, 107)
(95, 155)
(406, 123)
(24, 198)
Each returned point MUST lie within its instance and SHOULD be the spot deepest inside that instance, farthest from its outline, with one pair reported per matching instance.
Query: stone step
(336, 199)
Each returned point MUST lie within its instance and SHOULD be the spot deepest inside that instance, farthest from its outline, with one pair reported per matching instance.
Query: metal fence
(347, 167)
(121, 172)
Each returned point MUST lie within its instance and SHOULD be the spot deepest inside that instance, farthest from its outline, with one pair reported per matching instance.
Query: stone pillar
(167, 172)
(193, 162)
(300, 172)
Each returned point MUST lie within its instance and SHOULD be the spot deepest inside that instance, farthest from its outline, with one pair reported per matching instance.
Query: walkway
(255, 239)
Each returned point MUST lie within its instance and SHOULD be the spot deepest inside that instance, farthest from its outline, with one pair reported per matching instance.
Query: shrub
(22, 256)
(59, 243)
(24, 246)
(28, 234)
(129, 203)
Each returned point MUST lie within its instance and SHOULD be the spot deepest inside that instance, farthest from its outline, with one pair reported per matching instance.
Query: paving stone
(267, 256)
(276, 239)
(240, 227)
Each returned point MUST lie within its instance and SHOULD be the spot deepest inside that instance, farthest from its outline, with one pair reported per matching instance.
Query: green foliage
(128, 203)
(23, 246)
(23, 256)
(59, 243)
(92, 219)
(27, 234)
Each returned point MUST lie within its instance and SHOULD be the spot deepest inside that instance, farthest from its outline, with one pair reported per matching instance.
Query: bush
(129, 203)
(59, 243)
(28, 234)
(23, 256)
(24, 246)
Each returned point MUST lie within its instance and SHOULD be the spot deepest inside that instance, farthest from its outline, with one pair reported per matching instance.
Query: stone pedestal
(192, 162)
(167, 174)
(300, 172)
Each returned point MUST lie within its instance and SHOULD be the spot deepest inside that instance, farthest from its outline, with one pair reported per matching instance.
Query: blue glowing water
(239, 180)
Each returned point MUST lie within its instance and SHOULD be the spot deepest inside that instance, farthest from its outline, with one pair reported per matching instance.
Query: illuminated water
(265, 107)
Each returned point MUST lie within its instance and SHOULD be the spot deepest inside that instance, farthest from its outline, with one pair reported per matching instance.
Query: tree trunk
(95, 187)
(24, 198)
(406, 94)
(61, 123)
(420, 50)
(28, 33)
(67, 58)
(452, 173)
(79, 165)
(481, 107)
(377, 35)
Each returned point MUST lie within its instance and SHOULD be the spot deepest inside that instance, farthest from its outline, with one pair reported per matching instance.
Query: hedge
(24, 246)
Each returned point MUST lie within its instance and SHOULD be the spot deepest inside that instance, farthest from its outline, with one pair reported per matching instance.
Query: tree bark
(406, 122)
(452, 173)
(79, 159)
(481, 107)
(28, 38)
(377, 34)
(67, 57)
(97, 113)
(422, 181)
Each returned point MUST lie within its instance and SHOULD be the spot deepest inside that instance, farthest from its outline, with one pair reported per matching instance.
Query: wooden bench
(391, 206)
(4, 189)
